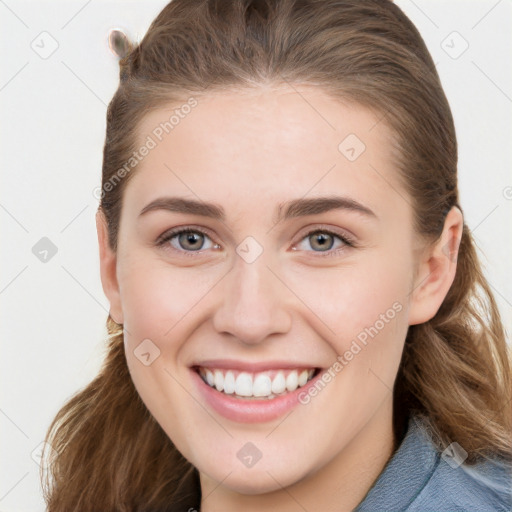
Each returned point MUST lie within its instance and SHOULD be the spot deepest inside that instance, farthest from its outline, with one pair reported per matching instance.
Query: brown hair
(110, 452)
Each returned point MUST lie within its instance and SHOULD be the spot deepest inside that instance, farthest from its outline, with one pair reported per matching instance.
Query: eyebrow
(292, 209)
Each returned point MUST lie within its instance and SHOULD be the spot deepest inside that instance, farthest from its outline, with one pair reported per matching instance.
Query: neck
(340, 485)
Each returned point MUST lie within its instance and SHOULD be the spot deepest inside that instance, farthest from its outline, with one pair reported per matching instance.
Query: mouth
(256, 386)
(254, 392)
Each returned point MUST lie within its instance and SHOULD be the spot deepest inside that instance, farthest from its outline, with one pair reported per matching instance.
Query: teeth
(292, 381)
(303, 378)
(243, 385)
(279, 383)
(218, 379)
(263, 384)
(229, 383)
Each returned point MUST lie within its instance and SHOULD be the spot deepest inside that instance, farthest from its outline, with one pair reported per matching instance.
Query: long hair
(109, 453)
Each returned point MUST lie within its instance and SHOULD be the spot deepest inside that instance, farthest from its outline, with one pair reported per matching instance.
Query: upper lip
(231, 364)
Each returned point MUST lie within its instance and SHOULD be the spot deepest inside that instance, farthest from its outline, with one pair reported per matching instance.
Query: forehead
(267, 144)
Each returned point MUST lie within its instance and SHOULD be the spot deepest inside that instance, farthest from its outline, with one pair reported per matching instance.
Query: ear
(108, 265)
(436, 270)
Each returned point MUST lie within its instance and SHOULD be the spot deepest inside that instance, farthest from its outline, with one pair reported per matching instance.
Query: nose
(254, 303)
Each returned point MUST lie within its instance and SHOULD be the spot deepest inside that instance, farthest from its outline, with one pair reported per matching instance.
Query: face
(267, 280)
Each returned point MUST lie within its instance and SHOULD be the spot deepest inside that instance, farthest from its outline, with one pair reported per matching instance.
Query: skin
(249, 152)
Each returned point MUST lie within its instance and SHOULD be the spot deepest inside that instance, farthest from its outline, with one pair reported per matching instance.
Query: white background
(52, 133)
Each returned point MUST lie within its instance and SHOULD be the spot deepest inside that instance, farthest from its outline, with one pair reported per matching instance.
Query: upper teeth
(265, 384)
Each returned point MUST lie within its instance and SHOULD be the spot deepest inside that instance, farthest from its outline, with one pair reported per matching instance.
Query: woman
(298, 317)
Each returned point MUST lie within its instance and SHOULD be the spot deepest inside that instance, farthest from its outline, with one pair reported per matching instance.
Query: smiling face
(267, 276)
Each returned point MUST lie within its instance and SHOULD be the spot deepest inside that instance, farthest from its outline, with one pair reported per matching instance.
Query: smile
(251, 396)
(256, 385)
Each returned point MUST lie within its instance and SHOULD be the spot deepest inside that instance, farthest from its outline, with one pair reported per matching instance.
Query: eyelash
(166, 237)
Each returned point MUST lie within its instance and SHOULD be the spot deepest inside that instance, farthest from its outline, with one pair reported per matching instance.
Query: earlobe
(108, 269)
(436, 270)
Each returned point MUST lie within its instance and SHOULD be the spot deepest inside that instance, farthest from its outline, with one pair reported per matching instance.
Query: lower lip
(250, 411)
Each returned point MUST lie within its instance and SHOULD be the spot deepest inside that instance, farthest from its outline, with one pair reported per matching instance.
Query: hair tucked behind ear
(455, 371)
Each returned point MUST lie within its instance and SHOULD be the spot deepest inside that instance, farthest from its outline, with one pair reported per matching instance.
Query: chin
(253, 484)
(257, 480)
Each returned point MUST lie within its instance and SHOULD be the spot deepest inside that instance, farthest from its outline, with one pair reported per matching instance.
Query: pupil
(192, 239)
(322, 240)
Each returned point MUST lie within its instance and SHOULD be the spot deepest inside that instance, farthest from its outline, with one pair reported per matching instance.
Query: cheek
(353, 296)
(156, 300)
(361, 311)
(156, 296)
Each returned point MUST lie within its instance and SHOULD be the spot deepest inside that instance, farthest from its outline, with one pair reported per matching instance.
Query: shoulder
(482, 487)
(418, 478)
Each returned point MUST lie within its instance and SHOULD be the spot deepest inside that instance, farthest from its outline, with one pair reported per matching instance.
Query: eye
(186, 240)
(191, 241)
(323, 240)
